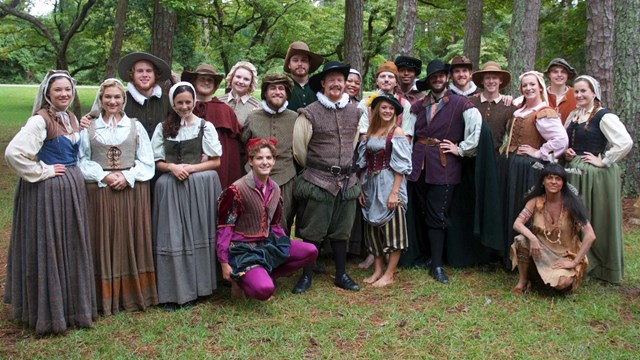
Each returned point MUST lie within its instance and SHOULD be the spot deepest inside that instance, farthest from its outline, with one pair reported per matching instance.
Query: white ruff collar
(139, 98)
(344, 101)
(266, 107)
(472, 89)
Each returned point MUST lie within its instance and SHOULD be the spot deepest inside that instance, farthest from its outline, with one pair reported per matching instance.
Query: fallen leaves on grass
(458, 309)
(598, 327)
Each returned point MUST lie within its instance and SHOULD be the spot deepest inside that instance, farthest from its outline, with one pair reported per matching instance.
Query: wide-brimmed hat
(299, 47)
(331, 66)
(202, 69)
(561, 62)
(434, 66)
(274, 78)
(491, 67)
(409, 62)
(461, 61)
(388, 98)
(126, 64)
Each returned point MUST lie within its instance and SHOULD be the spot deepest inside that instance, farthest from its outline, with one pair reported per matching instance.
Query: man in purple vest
(446, 128)
(324, 137)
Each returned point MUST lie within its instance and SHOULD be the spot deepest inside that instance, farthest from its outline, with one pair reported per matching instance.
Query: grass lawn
(474, 317)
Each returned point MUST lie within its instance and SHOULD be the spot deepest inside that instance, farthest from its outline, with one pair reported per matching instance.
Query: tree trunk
(626, 70)
(164, 25)
(116, 43)
(406, 14)
(353, 28)
(524, 35)
(599, 62)
(472, 31)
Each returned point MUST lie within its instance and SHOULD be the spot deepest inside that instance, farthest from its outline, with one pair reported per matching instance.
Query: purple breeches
(258, 284)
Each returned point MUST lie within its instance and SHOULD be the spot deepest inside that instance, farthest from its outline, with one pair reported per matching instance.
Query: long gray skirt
(184, 236)
(49, 266)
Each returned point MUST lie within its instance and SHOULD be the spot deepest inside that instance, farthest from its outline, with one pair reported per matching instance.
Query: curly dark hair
(171, 124)
(571, 201)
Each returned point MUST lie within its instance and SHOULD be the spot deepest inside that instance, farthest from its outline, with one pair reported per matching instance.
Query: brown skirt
(120, 225)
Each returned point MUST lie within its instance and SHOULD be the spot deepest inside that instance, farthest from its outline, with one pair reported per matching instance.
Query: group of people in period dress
(154, 197)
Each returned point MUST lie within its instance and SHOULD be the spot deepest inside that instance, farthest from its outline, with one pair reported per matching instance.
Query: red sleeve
(229, 205)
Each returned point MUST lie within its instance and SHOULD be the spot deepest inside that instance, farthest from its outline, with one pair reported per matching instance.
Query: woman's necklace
(547, 232)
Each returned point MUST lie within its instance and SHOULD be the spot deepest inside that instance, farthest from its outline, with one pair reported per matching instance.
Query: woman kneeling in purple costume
(252, 248)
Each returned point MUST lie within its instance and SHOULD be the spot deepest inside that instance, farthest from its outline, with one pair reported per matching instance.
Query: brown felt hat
(491, 67)
(299, 47)
(274, 78)
(387, 66)
(461, 61)
(126, 64)
(202, 69)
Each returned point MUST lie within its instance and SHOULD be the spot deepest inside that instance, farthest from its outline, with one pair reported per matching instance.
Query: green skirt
(600, 189)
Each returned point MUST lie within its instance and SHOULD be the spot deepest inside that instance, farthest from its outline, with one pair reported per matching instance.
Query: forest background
(87, 37)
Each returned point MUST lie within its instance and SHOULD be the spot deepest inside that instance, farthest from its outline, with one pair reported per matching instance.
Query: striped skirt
(49, 266)
(120, 225)
(389, 237)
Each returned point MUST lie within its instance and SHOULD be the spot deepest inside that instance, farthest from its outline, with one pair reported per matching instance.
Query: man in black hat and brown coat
(274, 120)
(300, 62)
(325, 134)
(446, 128)
(145, 98)
(408, 70)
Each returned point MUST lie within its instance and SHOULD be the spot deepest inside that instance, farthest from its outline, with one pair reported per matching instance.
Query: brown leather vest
(523, 131)
(54, 128)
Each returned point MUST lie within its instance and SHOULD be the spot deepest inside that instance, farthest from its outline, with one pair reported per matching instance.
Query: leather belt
(434, 142)
(335, 170)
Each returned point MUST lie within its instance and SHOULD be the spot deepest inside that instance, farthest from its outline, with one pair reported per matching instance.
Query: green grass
(474, 317)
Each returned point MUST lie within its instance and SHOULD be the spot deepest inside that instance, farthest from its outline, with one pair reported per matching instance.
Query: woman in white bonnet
(117, 162)
(49, 267)
(598, 140)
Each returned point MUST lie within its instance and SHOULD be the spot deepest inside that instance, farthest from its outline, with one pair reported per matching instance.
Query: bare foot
(383, 281)
(520, 289)
(236, 292)
(373, 278)
(367, 262)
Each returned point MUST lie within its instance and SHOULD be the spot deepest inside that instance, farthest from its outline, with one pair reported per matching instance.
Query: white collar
(472, 89)
(138, 97)
(101, 122)
(266, 107)
(341, 104)
(243, 99)
(496, 100)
